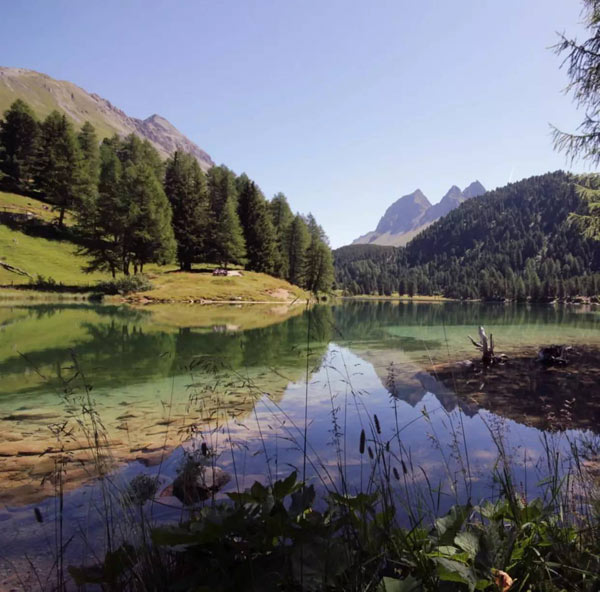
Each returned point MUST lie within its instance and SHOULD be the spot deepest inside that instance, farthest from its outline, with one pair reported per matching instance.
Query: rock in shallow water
(196, 486)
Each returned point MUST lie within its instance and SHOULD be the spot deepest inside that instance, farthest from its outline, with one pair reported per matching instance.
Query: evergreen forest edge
(535, 239)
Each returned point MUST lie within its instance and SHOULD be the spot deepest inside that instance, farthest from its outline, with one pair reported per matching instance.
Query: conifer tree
(226, 239)
(319, 261)
(186, 188)
(282, 217)
(103, 219)
(59, 167)
(258, 229)
(130, 221)
(150, 234)
(132, 150)
(18, 142)
(297, 243)
(90, 149)
(90, 175)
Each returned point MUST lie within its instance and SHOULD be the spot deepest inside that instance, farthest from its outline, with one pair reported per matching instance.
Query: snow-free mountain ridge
(44, 94)
(412, 213)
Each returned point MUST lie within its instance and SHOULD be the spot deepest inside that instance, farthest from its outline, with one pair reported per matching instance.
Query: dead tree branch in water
(485, 346)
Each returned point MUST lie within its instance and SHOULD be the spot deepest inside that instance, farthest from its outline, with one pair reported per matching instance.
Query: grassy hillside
(44, 94)
(19, 204)
(59, 260)
(38, 256)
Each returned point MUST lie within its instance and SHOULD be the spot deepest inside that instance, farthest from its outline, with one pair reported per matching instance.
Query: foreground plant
(283, 537)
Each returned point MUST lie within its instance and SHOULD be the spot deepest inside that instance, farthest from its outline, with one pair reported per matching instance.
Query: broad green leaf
(468, 542)
(408, 584)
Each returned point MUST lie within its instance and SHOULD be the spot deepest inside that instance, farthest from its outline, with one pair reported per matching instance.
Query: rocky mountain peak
(453, 194)
(403, 211)
(410, 214)
(475, 189)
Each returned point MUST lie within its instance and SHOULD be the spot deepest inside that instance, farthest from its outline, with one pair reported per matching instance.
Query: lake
(148, 383)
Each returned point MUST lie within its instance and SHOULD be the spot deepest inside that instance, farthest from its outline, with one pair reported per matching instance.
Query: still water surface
(245, 379)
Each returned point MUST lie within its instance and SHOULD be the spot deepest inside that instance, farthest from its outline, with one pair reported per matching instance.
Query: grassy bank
(203, 286)
(60, 262)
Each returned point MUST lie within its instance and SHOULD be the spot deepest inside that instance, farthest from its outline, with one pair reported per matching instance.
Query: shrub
(125, 285)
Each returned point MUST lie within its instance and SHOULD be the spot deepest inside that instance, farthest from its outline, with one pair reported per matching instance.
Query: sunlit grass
(203, 286)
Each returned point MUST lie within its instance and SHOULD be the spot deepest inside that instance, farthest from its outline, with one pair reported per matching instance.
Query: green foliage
(103, 220)
(149, 235)
(297, 242)
(282, 218)
(88, 143)
(18, 143)
(129, 223)
(318, 262)
(124, 285)
(226, 244)
(131, 209)
(281, 537)
(186, 188)
(258, 229)
(583, 62)
(59, 164)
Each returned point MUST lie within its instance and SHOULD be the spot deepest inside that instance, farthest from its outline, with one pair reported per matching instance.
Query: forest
(130, 208)
(524, 241)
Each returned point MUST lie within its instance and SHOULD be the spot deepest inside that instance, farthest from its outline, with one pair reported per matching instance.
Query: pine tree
(186, 188)
(18, 143)
(130, 221)
(297, 243)
(103, 220)
(230, 244)
(90, 176)
(258, 228)
(226, 239)
(281, 217)
(132, 150)
(150, 234)
(583, 63)
(90, 149)
(59, 167)
(318, 275)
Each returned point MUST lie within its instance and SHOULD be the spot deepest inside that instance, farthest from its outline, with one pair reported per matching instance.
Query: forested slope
(514, 242)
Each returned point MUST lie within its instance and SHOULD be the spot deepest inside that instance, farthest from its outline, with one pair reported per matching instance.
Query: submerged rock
(553, 355)
(191, 487)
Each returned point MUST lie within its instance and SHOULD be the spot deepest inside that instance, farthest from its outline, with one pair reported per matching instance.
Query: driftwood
(14, 269)
(486, 346)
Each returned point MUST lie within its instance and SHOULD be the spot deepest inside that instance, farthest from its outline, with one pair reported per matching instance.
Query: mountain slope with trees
(46, 94)
(516, 242)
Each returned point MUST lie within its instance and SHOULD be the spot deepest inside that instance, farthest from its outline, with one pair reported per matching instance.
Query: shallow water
(162, 379)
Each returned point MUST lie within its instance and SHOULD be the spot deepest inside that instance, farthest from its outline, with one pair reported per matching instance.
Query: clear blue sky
(343, 105)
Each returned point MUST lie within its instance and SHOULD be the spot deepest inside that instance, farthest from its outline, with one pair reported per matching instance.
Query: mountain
(399, 218)
(45, 94)
(412, 213)
(515, 242)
